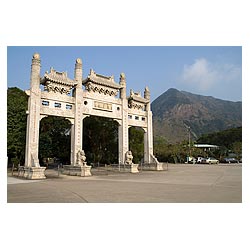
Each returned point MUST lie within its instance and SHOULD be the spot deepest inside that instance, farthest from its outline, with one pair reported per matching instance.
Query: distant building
(206, 147)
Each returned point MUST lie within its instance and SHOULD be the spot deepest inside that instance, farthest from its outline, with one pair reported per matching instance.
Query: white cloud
(205, 75)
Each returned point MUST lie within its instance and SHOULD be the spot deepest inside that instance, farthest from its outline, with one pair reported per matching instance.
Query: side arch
(54, 139)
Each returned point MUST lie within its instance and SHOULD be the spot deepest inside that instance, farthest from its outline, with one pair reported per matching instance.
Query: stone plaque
(103, 106)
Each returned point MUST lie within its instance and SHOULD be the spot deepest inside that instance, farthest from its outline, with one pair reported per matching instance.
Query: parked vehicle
(211, 160)
(230, 160)
(201, 160)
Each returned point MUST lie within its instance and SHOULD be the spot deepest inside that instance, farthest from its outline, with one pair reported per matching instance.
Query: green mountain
(174, 111)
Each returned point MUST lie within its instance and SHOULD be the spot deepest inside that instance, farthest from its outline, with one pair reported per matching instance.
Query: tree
(161, 149)
(237, 148)
(223, 138)
(166, 152)
(17, 103)
(229, 140)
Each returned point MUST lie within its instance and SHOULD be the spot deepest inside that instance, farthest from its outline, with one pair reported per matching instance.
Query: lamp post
(189, 145)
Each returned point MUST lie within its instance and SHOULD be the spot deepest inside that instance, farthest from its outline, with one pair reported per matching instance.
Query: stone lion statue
(128, 158)
(81, 158)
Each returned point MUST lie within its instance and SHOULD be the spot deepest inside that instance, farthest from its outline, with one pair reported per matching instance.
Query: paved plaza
(176, 184)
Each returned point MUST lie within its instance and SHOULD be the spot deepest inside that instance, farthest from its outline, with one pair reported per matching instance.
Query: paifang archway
(99, 98)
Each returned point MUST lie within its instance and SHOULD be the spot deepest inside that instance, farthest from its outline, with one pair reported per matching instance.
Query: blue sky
(213, 71)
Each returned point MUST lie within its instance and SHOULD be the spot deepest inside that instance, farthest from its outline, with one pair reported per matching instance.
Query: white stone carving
(135, 105)
(129, 158)
(136, 101)
(103, 106)
(101, 84)
(81, 158)
(36, 56)
(57, 82)
(99, 98)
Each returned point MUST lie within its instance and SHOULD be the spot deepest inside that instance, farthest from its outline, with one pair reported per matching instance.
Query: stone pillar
(76, 141)
(33, 115)
(123, 85)
(32, 166)
(146, 149)
(123, 124)
(148, 134)
(148, 140)
(123, 140)
(147, 96)
(72, 139)
(72, 144)
(78, 72)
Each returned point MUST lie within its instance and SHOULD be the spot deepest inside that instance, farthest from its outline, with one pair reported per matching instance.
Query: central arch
(100, 140)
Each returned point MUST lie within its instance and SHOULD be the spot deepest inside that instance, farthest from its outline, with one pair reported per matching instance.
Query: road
(181, 183)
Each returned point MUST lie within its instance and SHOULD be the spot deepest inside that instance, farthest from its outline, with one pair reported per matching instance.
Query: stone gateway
(101, 96)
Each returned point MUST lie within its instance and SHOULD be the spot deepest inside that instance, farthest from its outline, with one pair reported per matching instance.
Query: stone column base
(134, 168)
(159, 167)
(152, 166)
(82, 171)
(34, 173)
(85, 171)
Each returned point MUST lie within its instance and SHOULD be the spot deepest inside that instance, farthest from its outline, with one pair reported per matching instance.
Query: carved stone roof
(107, 81)
(136, 96)
(58, 77)
(139, 99)
(55, 81)
(136, 101)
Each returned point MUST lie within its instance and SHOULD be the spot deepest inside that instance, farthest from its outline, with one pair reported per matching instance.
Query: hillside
(175, 110)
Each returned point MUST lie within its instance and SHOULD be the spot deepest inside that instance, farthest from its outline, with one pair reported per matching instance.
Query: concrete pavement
(180, 183)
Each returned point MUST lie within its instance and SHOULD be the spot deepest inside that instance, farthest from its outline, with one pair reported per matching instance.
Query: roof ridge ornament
(79, 60)
(36, 56)
(147, 93)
